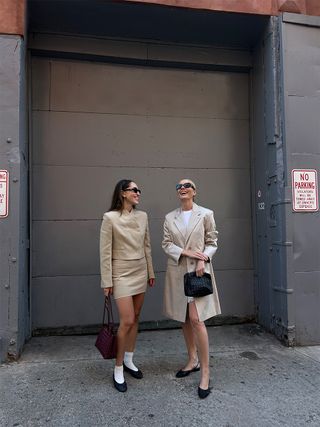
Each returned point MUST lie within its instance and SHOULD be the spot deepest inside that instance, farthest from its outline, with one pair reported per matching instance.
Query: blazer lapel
(194, 219)
(179, 223)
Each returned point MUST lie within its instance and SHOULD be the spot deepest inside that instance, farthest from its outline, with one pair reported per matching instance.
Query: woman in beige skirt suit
(190, 241)
(126, 269)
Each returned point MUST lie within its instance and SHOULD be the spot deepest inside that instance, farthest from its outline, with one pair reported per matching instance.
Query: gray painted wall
(301, 53)
(285, 132)
(94, 123)
(14, 309)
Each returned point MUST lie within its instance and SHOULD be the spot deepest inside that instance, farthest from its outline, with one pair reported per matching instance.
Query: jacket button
(191, 262)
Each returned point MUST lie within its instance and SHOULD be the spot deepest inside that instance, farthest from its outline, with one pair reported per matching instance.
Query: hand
(195, 254)
(107, 291)
(152, 282)
(200, 268)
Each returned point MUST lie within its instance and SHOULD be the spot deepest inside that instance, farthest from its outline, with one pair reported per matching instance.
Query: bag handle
(108, 308)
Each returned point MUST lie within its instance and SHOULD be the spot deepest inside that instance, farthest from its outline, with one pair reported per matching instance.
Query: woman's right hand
(107, 291)
(195, 254)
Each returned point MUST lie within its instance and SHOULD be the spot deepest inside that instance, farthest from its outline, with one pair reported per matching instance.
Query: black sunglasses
(134, 189)
(186, 185)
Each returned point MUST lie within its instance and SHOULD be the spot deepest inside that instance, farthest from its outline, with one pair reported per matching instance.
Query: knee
(128, 322)
(196, 323)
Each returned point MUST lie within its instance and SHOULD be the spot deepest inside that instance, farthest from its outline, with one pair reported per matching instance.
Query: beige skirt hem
(129, 277)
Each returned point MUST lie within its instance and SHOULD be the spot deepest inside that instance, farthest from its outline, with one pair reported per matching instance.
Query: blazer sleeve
(147, 252)
(173, 251)
(210, 235)
(106, 252)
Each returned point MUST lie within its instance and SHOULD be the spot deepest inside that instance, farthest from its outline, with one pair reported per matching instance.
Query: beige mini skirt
(129, 277)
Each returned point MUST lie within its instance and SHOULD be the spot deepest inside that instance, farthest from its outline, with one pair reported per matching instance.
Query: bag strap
(108, 308)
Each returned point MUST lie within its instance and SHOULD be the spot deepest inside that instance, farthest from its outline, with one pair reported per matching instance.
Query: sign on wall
(305, 190)
(4, 193)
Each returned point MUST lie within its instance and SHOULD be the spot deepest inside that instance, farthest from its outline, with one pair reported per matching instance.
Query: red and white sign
(4, 193)
(305, 190)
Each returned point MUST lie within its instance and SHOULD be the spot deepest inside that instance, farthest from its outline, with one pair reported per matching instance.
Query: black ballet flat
(122, 387)
(182, 373)
(202, 393)
(135, 374)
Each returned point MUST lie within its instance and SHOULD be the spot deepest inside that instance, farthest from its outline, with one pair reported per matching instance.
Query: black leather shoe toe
(202, 393)
(135, 374)
(122, 387)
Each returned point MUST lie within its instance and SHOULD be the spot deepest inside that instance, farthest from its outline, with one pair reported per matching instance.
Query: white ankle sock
(128, 361)
(118, 374)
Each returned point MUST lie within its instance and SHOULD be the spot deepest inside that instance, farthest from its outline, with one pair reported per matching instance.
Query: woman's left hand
(200, 268)
(152, 281)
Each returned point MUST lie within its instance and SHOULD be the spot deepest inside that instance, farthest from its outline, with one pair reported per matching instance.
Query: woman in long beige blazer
(126, 268)
(190, 241)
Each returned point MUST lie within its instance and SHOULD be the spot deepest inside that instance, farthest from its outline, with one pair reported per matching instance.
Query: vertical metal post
(14, 316)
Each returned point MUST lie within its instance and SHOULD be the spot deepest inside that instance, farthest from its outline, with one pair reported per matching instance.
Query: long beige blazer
(123, 236)
(200, 235)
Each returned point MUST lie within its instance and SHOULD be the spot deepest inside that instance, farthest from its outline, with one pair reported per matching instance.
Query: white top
(186, 217)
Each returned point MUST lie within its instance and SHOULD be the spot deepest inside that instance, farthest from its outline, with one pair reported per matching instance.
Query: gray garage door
(93, 124)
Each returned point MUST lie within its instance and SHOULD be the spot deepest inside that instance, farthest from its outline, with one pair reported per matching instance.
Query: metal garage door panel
(102, 88)
(74, 308)
(235, 286)
(41, 84)
(234, 253)
(78, 254)
(78, 291)
(67, 139)
(74, 193)
(65, 248)
(235, 245)
(154, 126)
(65, 301)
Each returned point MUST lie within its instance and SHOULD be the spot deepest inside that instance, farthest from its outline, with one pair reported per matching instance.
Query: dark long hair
(117, 199)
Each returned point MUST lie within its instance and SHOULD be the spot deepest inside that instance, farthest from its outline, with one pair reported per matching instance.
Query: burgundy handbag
(106, 341)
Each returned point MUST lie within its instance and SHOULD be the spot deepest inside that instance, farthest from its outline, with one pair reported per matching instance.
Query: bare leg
(127, 320)
(201, 338)
(190, 344)
(132, 334)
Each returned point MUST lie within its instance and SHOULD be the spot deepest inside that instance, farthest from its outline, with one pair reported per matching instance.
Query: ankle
(128, 360)
(205, 371)
(194, 359)
(118, 374)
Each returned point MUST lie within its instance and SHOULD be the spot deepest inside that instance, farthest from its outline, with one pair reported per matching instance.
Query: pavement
(256, 381)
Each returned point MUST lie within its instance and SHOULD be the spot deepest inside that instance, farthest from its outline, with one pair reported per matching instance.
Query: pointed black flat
(202, 393)
(122, 387)
(135, 374)
(182, 373)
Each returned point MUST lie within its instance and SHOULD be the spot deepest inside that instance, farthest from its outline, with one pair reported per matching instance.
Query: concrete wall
(14, 315)
(301, 79)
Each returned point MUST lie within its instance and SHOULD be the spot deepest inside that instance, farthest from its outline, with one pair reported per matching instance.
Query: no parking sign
(305, 190)
(4, 193)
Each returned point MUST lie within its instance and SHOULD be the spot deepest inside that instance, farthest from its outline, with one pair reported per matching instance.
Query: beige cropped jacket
(123, 236)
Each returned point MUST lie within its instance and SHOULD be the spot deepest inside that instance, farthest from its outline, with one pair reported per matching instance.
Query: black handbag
(106, 341)
(195, 286)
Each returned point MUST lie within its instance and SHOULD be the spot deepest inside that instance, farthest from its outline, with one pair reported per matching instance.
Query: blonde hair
(189, 180)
